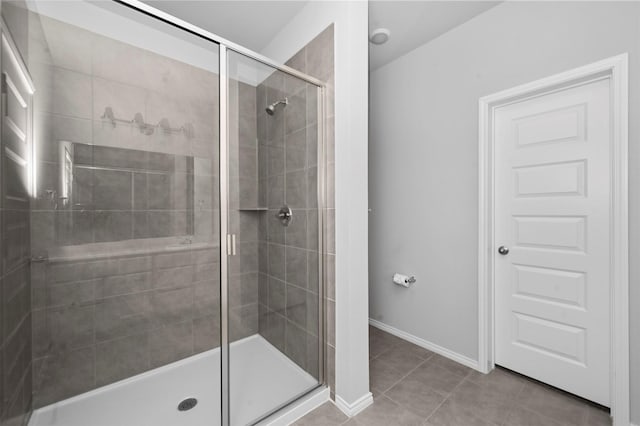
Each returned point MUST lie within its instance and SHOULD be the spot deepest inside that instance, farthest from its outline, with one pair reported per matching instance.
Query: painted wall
(423, 154)
(349, 217)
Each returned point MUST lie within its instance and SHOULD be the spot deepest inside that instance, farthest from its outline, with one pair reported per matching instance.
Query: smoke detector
(379, 36)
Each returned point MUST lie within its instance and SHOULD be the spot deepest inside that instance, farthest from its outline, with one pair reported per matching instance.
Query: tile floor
(413, 386)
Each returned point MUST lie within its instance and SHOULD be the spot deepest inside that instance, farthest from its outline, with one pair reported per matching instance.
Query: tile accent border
(447, 353)
(352, 410)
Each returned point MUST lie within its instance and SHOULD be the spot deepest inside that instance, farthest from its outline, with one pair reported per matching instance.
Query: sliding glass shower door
(274, 158)
(125, 241)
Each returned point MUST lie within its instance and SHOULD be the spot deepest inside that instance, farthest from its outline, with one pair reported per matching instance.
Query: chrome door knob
(503, 250)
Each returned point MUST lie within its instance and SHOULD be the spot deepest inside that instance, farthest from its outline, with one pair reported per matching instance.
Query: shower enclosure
(162, 222)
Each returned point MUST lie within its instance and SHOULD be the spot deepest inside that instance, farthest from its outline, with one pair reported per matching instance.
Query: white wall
(351, 94)
(424, 161)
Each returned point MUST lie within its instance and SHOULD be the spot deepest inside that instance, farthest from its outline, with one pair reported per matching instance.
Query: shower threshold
(261, 378)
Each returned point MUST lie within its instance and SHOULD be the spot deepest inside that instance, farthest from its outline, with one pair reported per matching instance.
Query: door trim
(616, 70)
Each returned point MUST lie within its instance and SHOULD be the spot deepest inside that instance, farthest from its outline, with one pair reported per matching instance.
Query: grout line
(538, 413)
(585, 413)
(425, 361)
(447, 398)
(403, 377)
(384, 393)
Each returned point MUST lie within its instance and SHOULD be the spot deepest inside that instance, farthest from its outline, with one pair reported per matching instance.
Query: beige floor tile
(483, 402)
(384, 412)
(325, 415)
(520, 416)
(416, 396)
(403, 360)
(563, 408)
(499, 379)
(414, 349)
(598, 417)
(450, 365)
(438, 378)
(383, 375)
(440, 392)
(451, 414)
(378, 344)
(375, 331)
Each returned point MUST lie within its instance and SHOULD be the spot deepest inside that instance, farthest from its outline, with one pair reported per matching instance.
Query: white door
(552, 214)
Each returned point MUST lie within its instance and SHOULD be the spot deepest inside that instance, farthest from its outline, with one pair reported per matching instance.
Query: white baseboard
(353, 409)
(447, 353)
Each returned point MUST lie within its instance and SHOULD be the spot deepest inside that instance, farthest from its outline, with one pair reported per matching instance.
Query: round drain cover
(187, 404)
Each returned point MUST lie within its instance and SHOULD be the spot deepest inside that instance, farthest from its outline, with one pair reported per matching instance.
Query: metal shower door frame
(224, 230)
(224, 46)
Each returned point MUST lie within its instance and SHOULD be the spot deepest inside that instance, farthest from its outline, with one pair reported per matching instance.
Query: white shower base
(261, 378)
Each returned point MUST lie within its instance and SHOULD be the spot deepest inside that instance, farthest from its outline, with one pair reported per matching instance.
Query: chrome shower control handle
(285, 214)
(503, 250)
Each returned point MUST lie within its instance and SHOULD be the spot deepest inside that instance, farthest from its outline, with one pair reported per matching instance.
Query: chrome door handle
(503, 250)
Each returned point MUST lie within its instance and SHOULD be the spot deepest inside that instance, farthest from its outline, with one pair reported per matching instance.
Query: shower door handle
(231, 244)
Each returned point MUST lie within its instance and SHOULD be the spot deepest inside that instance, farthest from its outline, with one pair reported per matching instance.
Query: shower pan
(167, 287)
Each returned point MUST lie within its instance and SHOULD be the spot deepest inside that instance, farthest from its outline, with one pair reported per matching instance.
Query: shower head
(271, 109)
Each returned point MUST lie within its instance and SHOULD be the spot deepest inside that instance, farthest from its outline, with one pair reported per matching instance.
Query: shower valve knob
(284, 215)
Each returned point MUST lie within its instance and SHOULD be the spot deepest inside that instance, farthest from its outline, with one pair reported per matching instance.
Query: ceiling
(254, 23)
(251, 24)
(414, 23)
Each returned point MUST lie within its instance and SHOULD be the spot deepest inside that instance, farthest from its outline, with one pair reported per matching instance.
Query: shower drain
(187, 404)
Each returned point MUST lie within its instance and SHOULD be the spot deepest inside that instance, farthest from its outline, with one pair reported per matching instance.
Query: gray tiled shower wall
(289, 255)
(103, 307)
(99, 321)
(72, 94)
(319, 62)
(139, 194)
(15, 283)
(243, 214)
(288, 172)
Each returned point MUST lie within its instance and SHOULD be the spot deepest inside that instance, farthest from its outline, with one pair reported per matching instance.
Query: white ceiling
(254, 23)
(414, 23)
(251, 24)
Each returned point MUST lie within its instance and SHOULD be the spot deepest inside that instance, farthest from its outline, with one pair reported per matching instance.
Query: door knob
(503, 250)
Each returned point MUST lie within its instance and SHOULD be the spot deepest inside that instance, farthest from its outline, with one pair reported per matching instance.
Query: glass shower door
(125, 216)
(274, 245)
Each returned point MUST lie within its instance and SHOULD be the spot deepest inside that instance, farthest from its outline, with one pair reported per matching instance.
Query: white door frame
(615, 69)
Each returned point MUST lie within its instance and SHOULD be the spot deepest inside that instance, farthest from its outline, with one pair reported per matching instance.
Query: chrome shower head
(271, 109)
